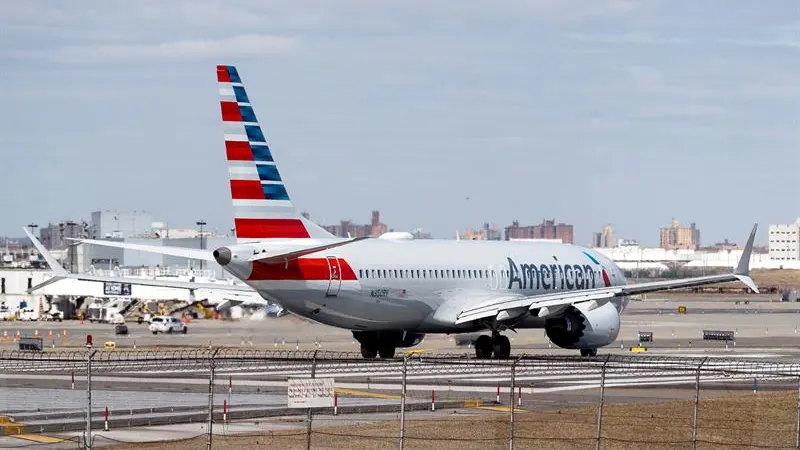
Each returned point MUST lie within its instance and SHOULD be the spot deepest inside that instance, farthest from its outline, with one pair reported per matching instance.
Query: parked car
(167, 324)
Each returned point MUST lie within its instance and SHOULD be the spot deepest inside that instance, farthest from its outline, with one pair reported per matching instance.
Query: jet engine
(579, 328)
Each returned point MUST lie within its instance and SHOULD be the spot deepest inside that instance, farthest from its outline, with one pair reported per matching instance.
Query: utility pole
(201, 223)
(309, 414)
(89, 354)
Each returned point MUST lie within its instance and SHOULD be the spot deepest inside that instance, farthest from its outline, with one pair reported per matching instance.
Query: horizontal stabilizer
(181, 252)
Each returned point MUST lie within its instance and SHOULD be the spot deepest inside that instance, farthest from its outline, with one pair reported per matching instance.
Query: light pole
(201, 223)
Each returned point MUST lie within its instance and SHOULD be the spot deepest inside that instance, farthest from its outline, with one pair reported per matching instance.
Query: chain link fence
(230, 398)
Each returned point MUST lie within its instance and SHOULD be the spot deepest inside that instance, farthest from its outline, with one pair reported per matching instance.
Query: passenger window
(418, 273)
(360, 274)
(395, 273)
(448, 273)
(412, 273)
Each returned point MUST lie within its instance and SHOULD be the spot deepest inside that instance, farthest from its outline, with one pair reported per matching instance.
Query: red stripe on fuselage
(605, 278)
(222, 74)
(304, 269)
(270, 228)
(238, 151)
(246, 190)
(230, 112)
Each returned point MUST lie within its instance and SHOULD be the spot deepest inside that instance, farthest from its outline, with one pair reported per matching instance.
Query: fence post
(696, 403)
(211, 368)
(403, 404)
(797, 431)
(309, 415)
(87, 441)
(511, 404)
(602, 402)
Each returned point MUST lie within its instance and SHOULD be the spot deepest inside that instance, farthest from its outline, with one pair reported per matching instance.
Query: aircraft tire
(387, 352)
(588, 352)
(368, 353)
(501, 347)
(484, 347)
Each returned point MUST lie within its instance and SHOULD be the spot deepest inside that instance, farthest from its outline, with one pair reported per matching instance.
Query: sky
(443, 115)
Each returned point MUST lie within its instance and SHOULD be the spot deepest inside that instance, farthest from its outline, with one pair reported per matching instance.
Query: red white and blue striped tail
(261, 204)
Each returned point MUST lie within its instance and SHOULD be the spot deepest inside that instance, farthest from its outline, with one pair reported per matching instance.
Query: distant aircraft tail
(261, 204)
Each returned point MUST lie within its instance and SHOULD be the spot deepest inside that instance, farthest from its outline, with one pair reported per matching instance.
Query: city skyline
(375, 227)
(444, 116)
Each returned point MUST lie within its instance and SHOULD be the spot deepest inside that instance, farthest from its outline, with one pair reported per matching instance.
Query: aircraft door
(335, 277)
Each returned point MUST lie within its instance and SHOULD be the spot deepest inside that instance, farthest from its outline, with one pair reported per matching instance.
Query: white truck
(28, 314)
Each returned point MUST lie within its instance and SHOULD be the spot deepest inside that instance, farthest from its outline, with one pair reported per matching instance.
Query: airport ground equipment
(719, 335)
(31, 344)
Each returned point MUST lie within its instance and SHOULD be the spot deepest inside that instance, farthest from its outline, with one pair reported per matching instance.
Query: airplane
(390, 291)
(219, 295)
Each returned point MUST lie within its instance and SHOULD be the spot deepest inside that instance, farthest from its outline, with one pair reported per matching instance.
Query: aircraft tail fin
(261, 203)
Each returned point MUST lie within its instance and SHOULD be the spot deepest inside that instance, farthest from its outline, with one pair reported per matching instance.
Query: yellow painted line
(500, 409)
(417, 351)
(12, 429)
(40, 438)
(356, 393)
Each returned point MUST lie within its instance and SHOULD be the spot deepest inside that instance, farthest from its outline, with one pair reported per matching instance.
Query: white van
(28, 314)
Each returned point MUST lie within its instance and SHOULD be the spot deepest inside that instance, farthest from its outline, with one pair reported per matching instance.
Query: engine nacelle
(579, 328)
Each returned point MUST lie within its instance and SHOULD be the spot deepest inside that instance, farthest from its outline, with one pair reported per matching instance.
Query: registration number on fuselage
(379, 293)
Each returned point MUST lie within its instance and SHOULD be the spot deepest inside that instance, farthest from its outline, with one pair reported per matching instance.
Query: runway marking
(40, 438)
(501, 409)
(356, 393)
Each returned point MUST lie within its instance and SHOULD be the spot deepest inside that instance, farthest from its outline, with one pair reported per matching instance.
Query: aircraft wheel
(368, 353)
(155, 332)
(483, 347)
(502, 347)
(588, 352)
(185, 329)
(387, 352)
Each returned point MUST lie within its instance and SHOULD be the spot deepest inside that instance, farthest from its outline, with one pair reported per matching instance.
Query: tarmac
(165, 404)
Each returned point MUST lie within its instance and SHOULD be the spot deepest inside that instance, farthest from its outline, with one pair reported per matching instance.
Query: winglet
(51, 261)
(744, 263)
(743, 268)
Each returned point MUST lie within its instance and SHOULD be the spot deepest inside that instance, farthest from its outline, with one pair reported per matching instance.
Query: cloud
(636, 39)
(788, 42)
(242, 45)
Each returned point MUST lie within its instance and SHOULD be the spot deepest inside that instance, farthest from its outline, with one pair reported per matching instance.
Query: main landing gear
(588, 352)
(496, 344)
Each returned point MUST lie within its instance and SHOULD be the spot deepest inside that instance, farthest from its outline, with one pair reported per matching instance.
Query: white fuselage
(421, 285)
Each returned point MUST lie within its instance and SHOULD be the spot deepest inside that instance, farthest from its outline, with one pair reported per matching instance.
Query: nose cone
(223, 256)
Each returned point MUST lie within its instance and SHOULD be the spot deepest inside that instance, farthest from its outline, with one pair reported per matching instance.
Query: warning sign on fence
(310, 392)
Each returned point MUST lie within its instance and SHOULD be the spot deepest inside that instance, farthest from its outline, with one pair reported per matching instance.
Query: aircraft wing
(182, 252)
(509, 308)
(147, 282)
